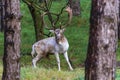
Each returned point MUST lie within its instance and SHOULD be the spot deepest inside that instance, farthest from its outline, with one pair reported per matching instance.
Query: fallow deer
(56, 45)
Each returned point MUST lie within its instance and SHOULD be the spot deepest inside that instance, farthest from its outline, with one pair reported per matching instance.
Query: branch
(48, 35)
(32, 4)
(58, 15)
(49, 14)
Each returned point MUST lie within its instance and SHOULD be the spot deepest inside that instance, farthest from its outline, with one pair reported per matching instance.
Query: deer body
(53, 45)
(50, 46)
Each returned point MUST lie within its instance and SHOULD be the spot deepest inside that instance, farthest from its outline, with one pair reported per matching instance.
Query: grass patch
(41, 73)
(28, 73)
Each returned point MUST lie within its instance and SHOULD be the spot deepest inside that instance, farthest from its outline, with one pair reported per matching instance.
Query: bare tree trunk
(11, 64)
(37, 19)
(2, 15)
(101, 56)
(75, 5)
(119, 23)
(38, 23)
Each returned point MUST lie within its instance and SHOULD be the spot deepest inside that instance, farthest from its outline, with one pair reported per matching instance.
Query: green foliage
(118, 74)
(118, 51)
(1, 43)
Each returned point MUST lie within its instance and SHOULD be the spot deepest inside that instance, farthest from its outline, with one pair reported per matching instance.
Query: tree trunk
(11, 58)
(38, 23)
(2, 15)
(75, 5)
(119, 23)
(101, 56)
(37, 19)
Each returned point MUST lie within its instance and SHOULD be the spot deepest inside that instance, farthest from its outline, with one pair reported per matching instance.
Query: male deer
(52, 45)
(56, 45)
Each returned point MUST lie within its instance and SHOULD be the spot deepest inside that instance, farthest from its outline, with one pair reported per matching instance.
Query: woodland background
(77, 34)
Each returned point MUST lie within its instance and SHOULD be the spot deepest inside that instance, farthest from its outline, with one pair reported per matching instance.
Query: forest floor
(44, 72)
(47, 70)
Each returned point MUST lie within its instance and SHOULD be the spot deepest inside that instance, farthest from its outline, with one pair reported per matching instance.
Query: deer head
(58, 34)
(55, 20)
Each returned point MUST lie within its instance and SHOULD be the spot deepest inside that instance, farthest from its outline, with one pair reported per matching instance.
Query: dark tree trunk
(101, 56)
(38, 23)
(11, 58)
(75, 5)
(119, 23)
(2, 15)
(37, 19)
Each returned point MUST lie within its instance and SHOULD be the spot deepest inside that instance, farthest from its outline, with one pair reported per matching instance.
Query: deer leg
(58, 60)
(34, 61)
(67, 59)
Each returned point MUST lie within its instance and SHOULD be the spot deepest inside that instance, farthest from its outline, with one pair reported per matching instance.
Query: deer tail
(33, 51)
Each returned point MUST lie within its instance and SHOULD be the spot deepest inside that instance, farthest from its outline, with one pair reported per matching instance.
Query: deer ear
(63, 29)
(52, 31)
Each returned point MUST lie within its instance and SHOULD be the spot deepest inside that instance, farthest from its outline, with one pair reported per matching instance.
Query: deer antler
(70, 14)
(42, 17)
(45, 25)
(69, 10)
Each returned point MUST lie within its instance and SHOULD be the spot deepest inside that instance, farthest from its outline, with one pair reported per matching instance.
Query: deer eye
(57, 32)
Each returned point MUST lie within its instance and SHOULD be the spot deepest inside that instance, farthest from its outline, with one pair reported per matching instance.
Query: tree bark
(38, 23)
(37, 19)
(119, 23)
(101, 56)
(2, 13)
(11, 58)
(75, 5)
